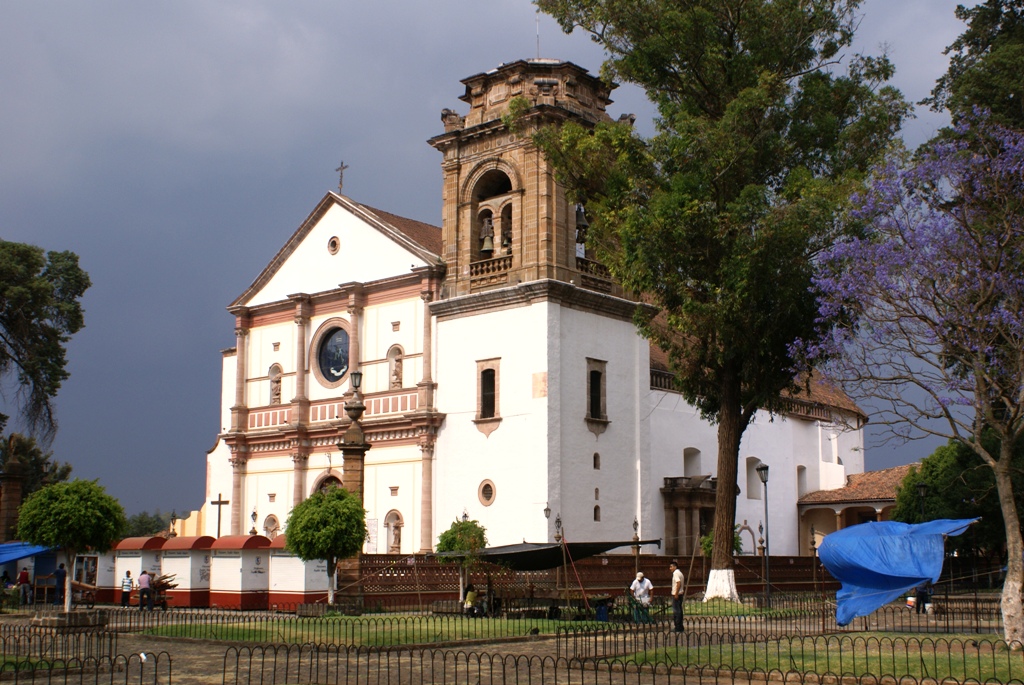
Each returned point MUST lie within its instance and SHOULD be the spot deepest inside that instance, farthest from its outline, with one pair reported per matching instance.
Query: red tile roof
(870, 486)
(425, 235)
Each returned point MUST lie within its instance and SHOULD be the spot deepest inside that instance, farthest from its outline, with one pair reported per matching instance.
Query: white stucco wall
(514, 456)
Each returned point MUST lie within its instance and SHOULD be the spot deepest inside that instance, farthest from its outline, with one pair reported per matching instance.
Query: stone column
(694, 542)
(300, 403)
(299, 463)
(237, 478)
(355, 309)
(839, 520)
(426, 497)
(671, 530)
(426, 385)
(239, 415)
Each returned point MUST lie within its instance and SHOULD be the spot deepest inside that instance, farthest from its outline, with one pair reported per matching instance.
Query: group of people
(641, 590)
(145, 587)
(24, 585)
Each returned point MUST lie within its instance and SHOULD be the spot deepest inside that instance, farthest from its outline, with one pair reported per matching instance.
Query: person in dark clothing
(60, 578)
(923, 597)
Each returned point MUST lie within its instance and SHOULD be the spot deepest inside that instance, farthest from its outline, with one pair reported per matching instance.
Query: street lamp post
(353, 447)
(922, 492)
(174, 524)
(762, 473)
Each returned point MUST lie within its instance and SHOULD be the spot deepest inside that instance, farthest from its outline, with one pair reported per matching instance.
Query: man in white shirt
(677, 596)
(641, 589)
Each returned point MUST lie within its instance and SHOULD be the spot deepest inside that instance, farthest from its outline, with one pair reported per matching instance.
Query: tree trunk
(1013, 613)
(70, 556)
(332, 579)
(722, 580)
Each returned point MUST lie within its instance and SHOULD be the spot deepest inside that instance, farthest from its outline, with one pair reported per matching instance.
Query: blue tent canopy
(13, 551)
(878, 561)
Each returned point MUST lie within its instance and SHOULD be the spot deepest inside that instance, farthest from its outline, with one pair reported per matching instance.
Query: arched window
(328, 482)
(597, 513)
(597, 493)
(691, 462)
(488, 396)
(801, 481)
(271, 527)
(754, 484)
(597, 461)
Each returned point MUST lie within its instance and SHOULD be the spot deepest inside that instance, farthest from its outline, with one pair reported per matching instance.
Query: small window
(488, 401)
(486, 493)
(597, 493)
(597, 513)
(487, 394)
(597, 461)
(597, 408)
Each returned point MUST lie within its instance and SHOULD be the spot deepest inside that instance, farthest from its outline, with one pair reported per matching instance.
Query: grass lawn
(962, 657)
(359, 631)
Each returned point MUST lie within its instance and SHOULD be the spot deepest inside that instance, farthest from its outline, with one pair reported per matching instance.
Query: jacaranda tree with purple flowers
(933, 293)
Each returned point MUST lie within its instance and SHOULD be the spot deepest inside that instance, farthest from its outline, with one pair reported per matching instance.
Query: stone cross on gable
(341, 174)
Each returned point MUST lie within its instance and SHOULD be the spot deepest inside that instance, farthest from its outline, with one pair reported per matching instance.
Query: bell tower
(505, 219)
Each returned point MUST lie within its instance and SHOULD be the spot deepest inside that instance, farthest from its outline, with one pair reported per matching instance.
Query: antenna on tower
(538, 32)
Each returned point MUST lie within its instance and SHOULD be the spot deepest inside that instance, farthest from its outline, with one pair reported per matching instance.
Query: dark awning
(537, 556)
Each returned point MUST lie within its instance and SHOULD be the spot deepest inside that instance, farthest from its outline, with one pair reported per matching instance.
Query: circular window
(333, 245)
(486, 493)
(332, 355)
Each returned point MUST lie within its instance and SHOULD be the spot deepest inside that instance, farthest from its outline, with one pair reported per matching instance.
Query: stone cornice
(525, 294)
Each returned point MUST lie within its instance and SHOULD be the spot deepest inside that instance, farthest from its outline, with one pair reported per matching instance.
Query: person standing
(25, 586)
(677, 596)
(126, 589)
(60, 579)
(145, 592)
(641, 589)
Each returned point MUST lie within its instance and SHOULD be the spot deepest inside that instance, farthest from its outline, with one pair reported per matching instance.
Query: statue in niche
(396, 372)
(275, 388)
(396, 540)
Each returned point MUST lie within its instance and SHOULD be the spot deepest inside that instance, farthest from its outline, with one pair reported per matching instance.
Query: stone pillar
(237, 478)
(839, 520)
(671, 531)
(299, 463)
(426, 497)
(694, 547)
(300, 403)
(355, 309)
(426, 384)
(353, 448)
(239, 414)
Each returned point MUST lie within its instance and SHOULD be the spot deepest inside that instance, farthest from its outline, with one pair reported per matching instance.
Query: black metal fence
(136, 669)
(20, 643)
(662, 658)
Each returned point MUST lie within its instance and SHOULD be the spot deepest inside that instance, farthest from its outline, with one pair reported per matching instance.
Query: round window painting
(333, 355)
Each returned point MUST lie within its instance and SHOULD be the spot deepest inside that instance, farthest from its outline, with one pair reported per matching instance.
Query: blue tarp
(878, 561)
(13, 551)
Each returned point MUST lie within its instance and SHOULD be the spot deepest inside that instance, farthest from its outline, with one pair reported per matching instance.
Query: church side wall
(514, 456)
(786, 444)
(595, 468)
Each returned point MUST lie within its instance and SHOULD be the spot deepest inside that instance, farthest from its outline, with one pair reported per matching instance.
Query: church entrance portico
(689, 510)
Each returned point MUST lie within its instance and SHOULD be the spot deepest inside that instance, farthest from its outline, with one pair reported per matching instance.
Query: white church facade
(502, 374)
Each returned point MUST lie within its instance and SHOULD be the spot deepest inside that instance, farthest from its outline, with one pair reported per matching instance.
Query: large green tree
(40, 309)
(145, 524)
(763, 133)
(960, 486)
(20, 454)
(329, 525)
(466, 537)
(74, 517)
(986, 64)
